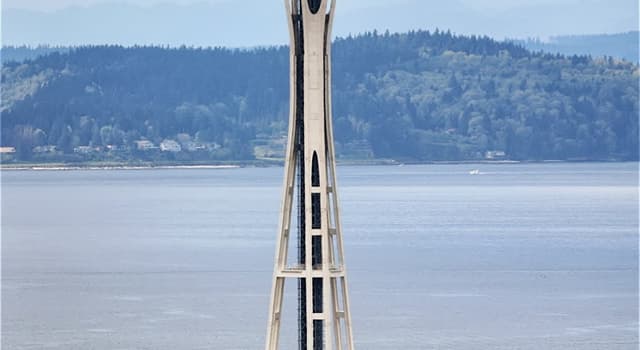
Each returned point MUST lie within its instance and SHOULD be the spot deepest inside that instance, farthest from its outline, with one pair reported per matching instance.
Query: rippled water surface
(520, 256)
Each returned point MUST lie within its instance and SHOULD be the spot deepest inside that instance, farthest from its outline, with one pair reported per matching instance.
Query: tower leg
(323, 300)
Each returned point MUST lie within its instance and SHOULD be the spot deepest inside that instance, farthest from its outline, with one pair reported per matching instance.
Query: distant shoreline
(113, 167)
(64, 167)
(269, 163)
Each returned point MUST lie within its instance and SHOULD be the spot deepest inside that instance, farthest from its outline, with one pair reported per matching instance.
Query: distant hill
(417, 96)
(21, 53)
(621, 45)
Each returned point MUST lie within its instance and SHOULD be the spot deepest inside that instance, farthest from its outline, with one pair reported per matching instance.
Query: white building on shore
(170, 146)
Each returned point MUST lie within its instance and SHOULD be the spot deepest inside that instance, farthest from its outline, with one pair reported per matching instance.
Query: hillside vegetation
(417, 96)
(619, 45)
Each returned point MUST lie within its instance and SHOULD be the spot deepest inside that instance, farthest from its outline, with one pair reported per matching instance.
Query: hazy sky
(262, 22)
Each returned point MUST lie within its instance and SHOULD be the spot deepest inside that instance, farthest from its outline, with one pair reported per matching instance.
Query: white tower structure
(310, 188)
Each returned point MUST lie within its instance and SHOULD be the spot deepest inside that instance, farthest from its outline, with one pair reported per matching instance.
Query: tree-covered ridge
(412, 96)
(20, 53)
(618, 45)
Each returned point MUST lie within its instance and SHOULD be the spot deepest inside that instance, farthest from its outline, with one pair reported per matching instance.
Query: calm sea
(519, 256)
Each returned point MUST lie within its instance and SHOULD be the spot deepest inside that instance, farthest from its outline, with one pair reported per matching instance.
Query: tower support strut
(310, 189)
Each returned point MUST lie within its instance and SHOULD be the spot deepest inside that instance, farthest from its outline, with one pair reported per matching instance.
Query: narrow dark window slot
(317, 294)
(315, 211)
(317, 334)
(302, 313)
(316, 252)
(315, 171)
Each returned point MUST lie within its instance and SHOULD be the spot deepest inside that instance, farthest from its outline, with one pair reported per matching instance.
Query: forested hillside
(21, 53)
(413, 97)
(619, 45)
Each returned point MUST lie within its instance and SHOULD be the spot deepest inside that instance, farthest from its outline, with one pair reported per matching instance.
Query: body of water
(518, 256)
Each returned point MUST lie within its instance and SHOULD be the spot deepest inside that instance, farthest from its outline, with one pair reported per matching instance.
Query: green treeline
(416, 96)
(21, 53)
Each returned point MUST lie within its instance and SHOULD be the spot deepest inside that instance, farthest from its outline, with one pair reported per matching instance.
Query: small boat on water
(474, 172)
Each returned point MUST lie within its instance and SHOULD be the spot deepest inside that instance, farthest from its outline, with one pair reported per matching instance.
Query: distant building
(7, 150)
(145, 145)
(115, 148)
(495, 155)
(85, 149)
(45, 149)
(7, 154)
(170, 146)
(194, 146)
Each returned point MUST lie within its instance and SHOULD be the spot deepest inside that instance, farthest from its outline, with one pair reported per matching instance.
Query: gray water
(521, 256)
